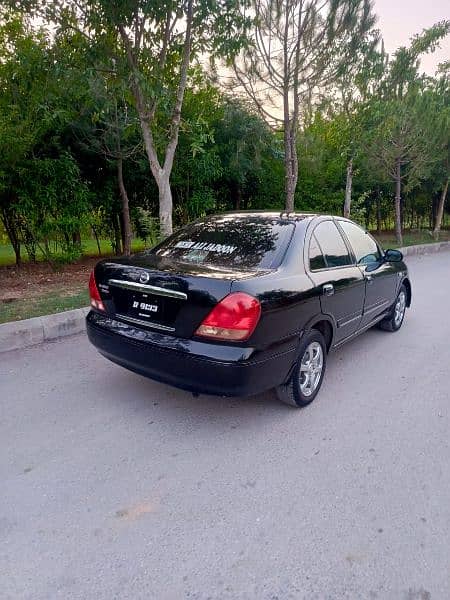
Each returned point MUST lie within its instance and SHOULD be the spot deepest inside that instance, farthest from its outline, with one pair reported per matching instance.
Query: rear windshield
(230, 242)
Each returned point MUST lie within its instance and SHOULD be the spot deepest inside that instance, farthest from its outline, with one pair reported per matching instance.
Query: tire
(294, 392)
(394, 320)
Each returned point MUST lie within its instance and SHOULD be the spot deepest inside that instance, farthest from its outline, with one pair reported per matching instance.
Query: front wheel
(394, 321)
(308, 372)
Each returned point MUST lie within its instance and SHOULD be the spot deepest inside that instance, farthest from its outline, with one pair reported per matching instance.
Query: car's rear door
(336, 277)
(380, 277)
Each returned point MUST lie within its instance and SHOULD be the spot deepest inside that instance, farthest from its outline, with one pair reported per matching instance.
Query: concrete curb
(29, 332)
(425, 248)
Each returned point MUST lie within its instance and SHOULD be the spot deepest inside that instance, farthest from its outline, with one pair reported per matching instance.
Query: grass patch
(388, 239)
(89, 246)
(25, 308)
(7, 256)
(36, 290)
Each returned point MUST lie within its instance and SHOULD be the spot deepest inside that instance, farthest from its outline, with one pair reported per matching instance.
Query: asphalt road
(116, 487)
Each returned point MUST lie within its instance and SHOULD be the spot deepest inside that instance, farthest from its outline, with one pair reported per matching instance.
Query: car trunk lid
(156, 293)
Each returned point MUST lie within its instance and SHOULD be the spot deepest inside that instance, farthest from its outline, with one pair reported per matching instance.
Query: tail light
(96, 301)
(233, 319)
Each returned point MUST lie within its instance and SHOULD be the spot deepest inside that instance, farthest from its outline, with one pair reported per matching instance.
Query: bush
(146, 226)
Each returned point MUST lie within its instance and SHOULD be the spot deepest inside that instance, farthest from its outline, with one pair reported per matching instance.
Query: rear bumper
(200, 367)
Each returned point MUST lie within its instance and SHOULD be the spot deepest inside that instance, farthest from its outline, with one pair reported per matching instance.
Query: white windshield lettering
(206, 246)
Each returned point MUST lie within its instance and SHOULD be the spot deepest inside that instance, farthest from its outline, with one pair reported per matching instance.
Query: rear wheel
(307, 375)
(394, 321)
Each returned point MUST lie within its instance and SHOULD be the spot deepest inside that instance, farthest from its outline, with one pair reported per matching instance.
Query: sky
(399, 20)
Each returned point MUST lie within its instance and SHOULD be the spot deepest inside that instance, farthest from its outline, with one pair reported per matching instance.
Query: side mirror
(393, 256)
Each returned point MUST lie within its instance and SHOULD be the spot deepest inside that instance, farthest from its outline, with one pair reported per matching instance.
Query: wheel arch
(407, 285)
(325, 326)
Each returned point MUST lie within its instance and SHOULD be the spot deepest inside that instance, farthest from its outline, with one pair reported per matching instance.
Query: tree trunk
(368, 215)
(17, 254)
(378, 213)
(76, 238)
(29, 242)
(11, 231)
(440, 212)
(237, 205)
(161, 173)
(288, 179)
(434, 207)
(348, 189)
(117, 240)
(97, 240)
(165, 206)
(294, 163)
(125, 209)
(30, 246)
(398, 211)
(289, 185)
(162, 178)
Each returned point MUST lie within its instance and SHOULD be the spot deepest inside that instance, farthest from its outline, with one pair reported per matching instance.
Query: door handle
(328, 289)
(369, 278)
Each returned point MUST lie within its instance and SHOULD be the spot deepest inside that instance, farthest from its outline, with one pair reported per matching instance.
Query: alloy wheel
(311, 366)
(400, 307)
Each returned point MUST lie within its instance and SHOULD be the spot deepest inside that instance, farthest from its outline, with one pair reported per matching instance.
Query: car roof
(265, 215)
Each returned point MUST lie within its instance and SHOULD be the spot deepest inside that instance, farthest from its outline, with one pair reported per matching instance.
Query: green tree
(153, 45)
(43, 194)
(198, 166)
(299, 47)
(404, 139)
(440, 107)
(351, 90)
(110, 130)
(52, 204)
(243, 141)
(33, 113)
(21, 53)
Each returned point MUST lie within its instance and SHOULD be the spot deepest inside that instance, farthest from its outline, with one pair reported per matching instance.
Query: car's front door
(380, 277)
(338, 280)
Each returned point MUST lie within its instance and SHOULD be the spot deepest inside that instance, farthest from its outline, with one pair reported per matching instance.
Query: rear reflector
(96, 301)
(233, 319)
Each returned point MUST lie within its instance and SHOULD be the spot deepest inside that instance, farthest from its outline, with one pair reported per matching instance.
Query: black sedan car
(238, 303)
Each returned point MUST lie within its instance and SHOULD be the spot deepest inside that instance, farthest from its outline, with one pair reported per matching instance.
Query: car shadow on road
(145, 400)
(151, 400)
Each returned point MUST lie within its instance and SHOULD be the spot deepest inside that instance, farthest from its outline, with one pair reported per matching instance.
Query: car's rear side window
(316, 258)
(332, 245)
(230, 242)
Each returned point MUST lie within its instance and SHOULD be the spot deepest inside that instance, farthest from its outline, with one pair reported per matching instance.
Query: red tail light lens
(96, 301)
(233, 319)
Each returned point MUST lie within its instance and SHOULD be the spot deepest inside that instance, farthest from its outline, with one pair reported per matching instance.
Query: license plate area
(142, 307)
(146, 307)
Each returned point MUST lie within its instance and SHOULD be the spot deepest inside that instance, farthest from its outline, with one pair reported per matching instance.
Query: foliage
(68, 117)
(150, 47)
(299, 47)
(146, 226)
(52, 203)
(406, 120)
